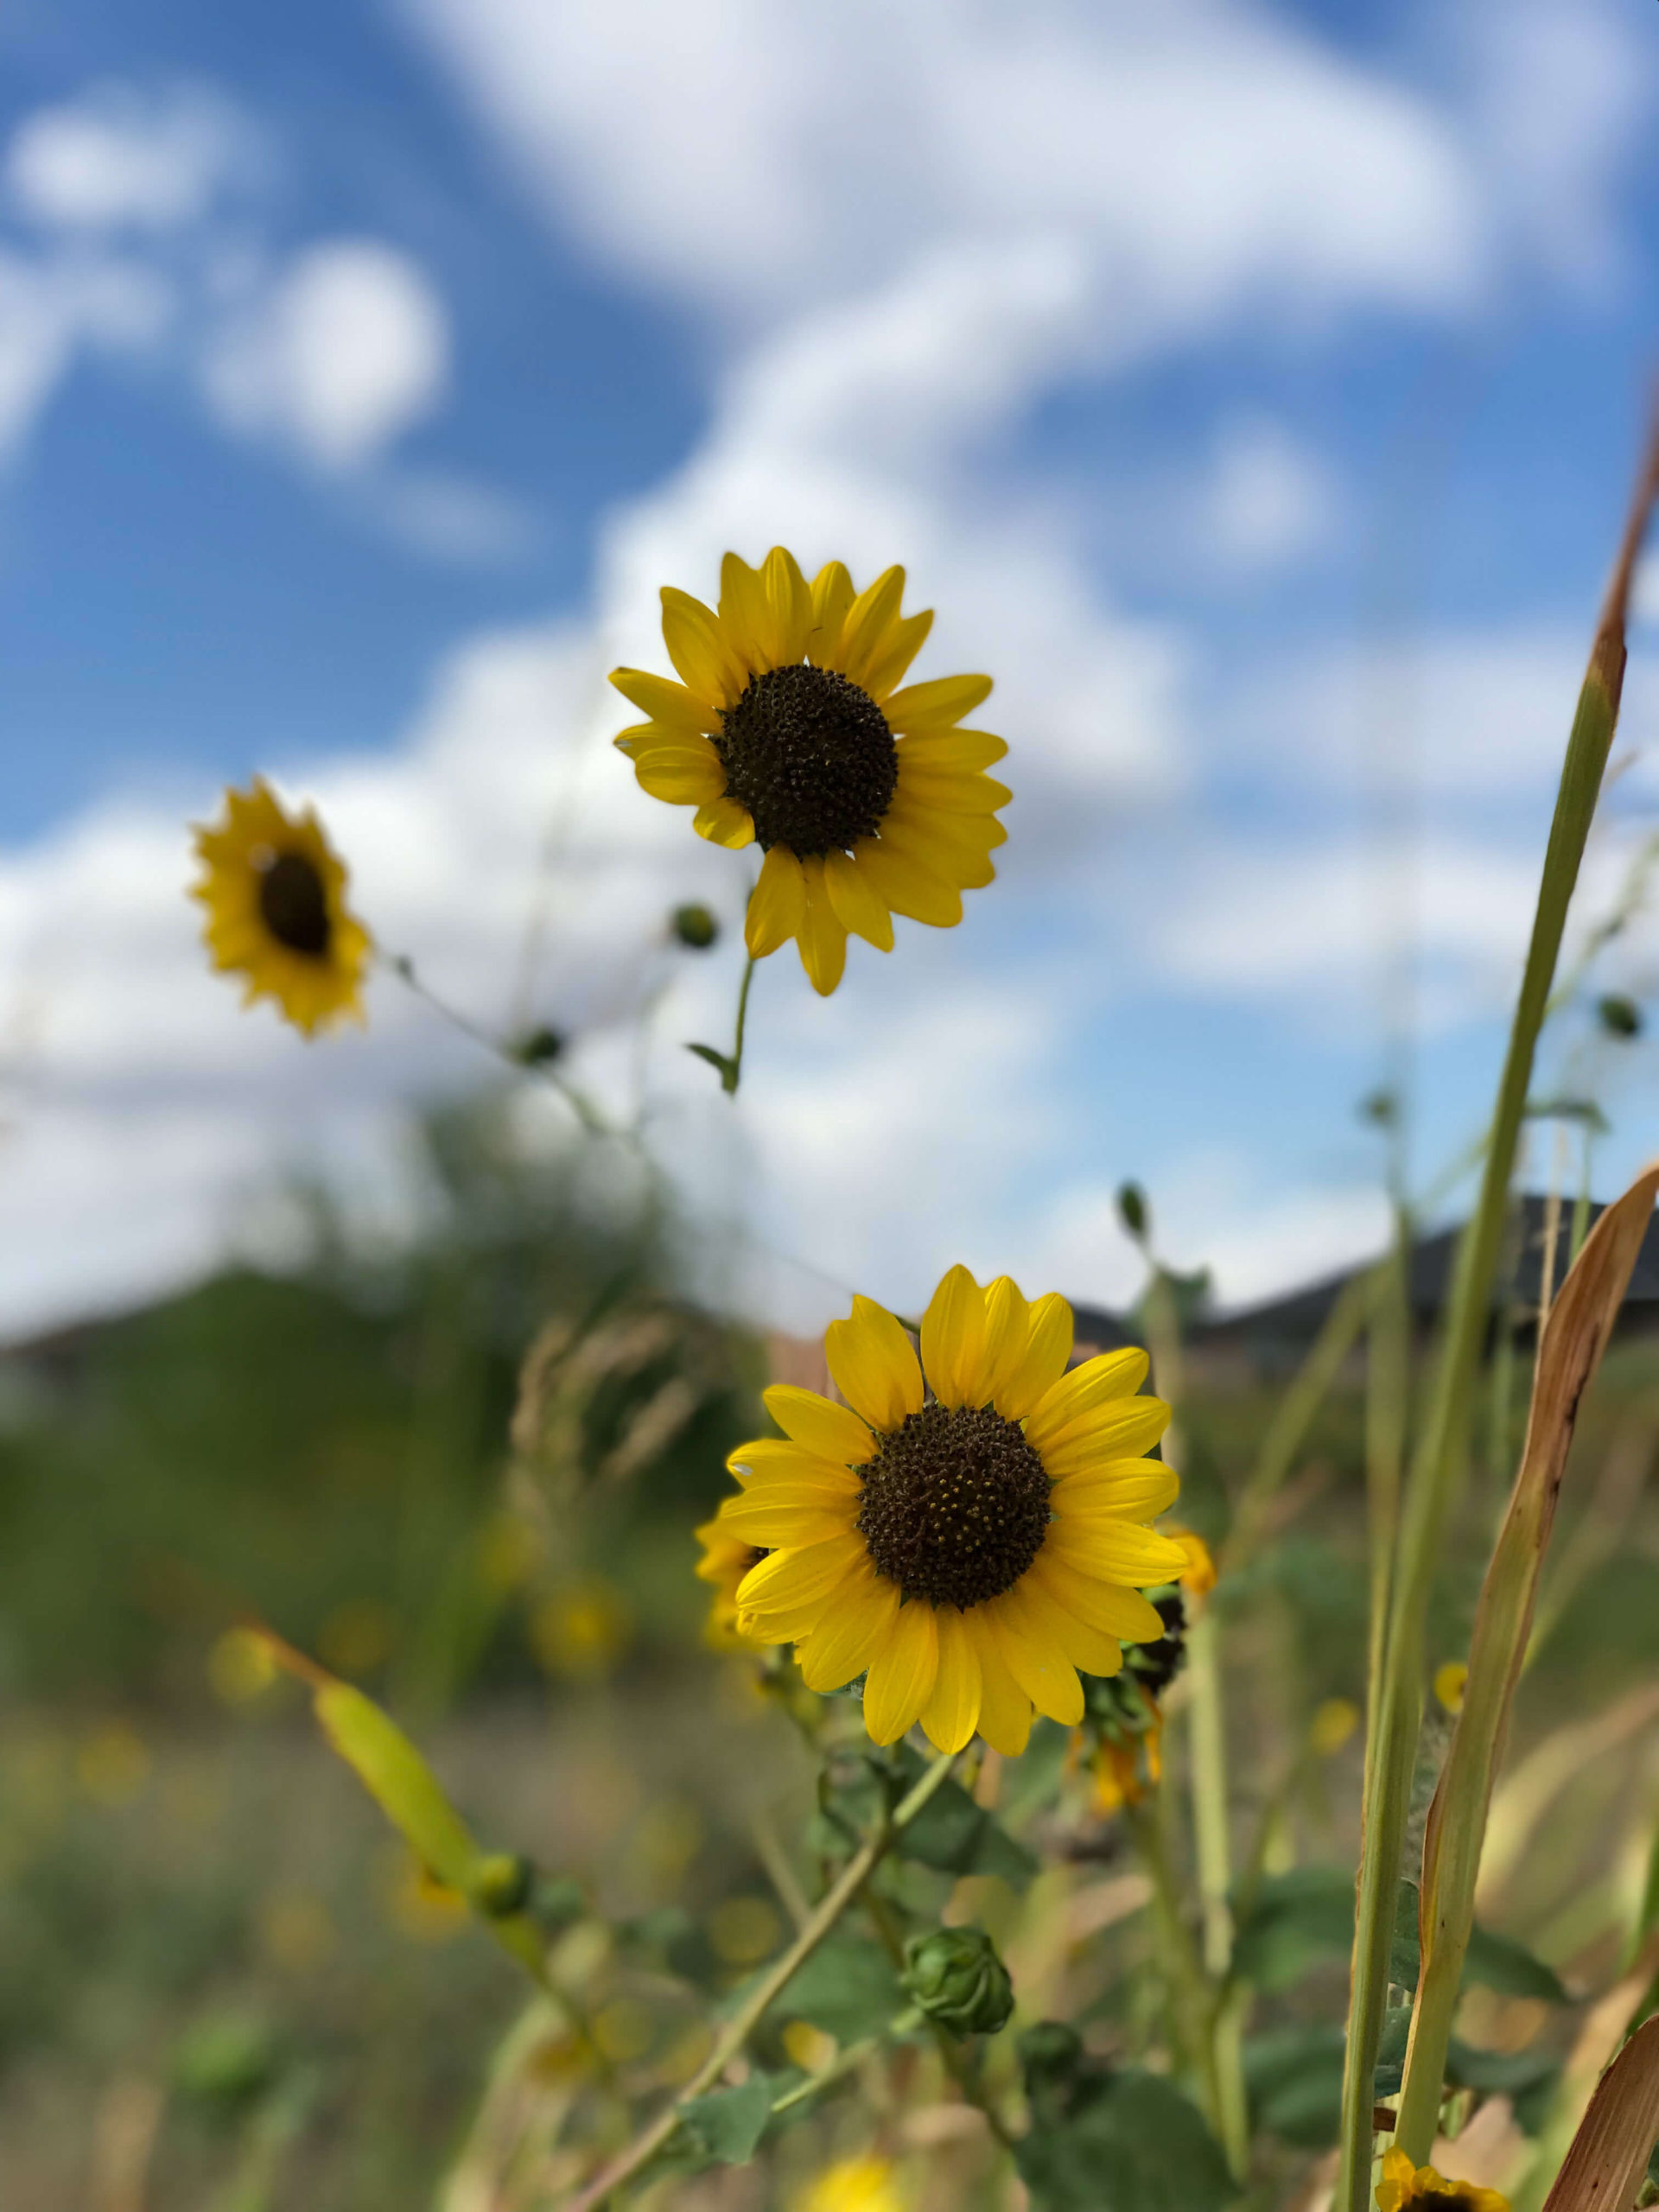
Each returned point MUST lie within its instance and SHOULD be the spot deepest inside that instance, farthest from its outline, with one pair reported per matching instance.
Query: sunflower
(275, 893)
(789, 731)
(726, 1560)
(970, 1539)
(1406, 2188)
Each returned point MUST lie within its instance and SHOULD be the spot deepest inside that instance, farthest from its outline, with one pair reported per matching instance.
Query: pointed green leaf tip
(399, 1781)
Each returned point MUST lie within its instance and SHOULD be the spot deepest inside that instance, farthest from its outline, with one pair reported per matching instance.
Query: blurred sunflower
(969, 1528)
(1406, 2188)
(275, 893)
(789, 731)
(726, 1560)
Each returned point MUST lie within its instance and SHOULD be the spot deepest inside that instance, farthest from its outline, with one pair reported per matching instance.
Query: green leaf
(1527, 2077)
(726, 1067)
(1391, 2052)
(847, 1988)
(1130, 2142)
(1295, 1920)
(954, 1835)
(1293, 2076)
(726, 2125)
(1499, 1963)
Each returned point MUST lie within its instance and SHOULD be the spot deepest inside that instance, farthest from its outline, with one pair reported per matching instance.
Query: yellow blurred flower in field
(1126, 1767)
(971, 1549)
(112, 1765)
(582, 1630)
(1450, 1682)
(726, 1560)
(1334, 1723)
(789, 730)
(274, 892)
(1198, 1578)
(1406, 2188)
(866, 2184)
(241, 1667)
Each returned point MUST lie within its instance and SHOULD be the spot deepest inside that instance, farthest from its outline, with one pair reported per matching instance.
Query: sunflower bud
(1620, 1016)
(500, 1884)
(538, 1048)
(955, 1977)
(1133, 1211)
(694, 926)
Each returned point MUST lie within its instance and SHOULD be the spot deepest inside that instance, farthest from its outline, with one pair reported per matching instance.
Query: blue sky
(1253, 390)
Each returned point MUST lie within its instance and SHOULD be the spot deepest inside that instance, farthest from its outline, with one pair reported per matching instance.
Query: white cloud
(1270, 502)
(51, 311)
(120, 157)
(347, 349)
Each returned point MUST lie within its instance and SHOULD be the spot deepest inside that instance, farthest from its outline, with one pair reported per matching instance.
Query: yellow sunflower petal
(835, 1432)
(1005, 1711)
(951, 1714)
(1008, 1332)
(846, 1640)
(953, 1339)
(671, 704)
(1116, 1551)
(902, 1673)
(1034, 1656)
(907, 887)
(950, 791)
(822, 935)
(922, 709)
(858, 907)
(641, 737)
(1121, 1430)
(700, 650)
(772, 1522)
(777, 904)
(789, 606)
(770, 1457)
(904, 640)
(743, 612)
(870, 617)
(1043, 1362)
(1090, 1650)
(1109, 1374)
(922, 845)
(963, 838)
(874, 1365)
(832, 595)
(1129, 1490)
(723, 821)
(956, 751)
(680, 778)
(786, 1593)
(1108, 1606)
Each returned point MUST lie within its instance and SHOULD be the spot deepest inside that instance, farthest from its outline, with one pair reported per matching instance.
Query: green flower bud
(538, 1048)
(1620, 1016)
(956, 1978)
(695, 926)
(500, 1884)
(1133, 1209)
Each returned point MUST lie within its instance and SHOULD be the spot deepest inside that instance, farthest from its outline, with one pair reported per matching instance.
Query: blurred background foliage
(462, 1467)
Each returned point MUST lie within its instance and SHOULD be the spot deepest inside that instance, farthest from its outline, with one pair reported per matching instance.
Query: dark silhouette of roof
(1297, 1317)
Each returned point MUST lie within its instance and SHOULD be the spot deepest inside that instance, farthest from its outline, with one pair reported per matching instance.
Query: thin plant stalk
(847, 1888)
(1438, 1461)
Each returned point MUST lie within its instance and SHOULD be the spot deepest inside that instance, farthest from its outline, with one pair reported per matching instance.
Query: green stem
(844, 2062)
(1189, 1998)
(730, 2041)
(1438, 1461)
(731, 1074)
(582, 1107)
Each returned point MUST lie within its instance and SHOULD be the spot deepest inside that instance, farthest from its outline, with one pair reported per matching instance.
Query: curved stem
(583, 1108)
(734, 1072)
(857, 1871)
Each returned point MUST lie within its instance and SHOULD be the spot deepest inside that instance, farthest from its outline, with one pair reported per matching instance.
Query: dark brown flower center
(293, 905)
(955, 1506)
(810, 757)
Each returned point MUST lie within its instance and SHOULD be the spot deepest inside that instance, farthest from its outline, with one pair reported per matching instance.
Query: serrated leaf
(1132, 2142)
(726, 2125)
(954, 1835)
(848, 1987)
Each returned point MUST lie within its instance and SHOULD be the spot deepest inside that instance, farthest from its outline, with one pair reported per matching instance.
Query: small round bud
(1133, 1209)
(1618, 1015)
(554, 1901)
(955, 1977)
(694, 926)
(1380, 1108)
(538, 1048)
(500, 1884)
